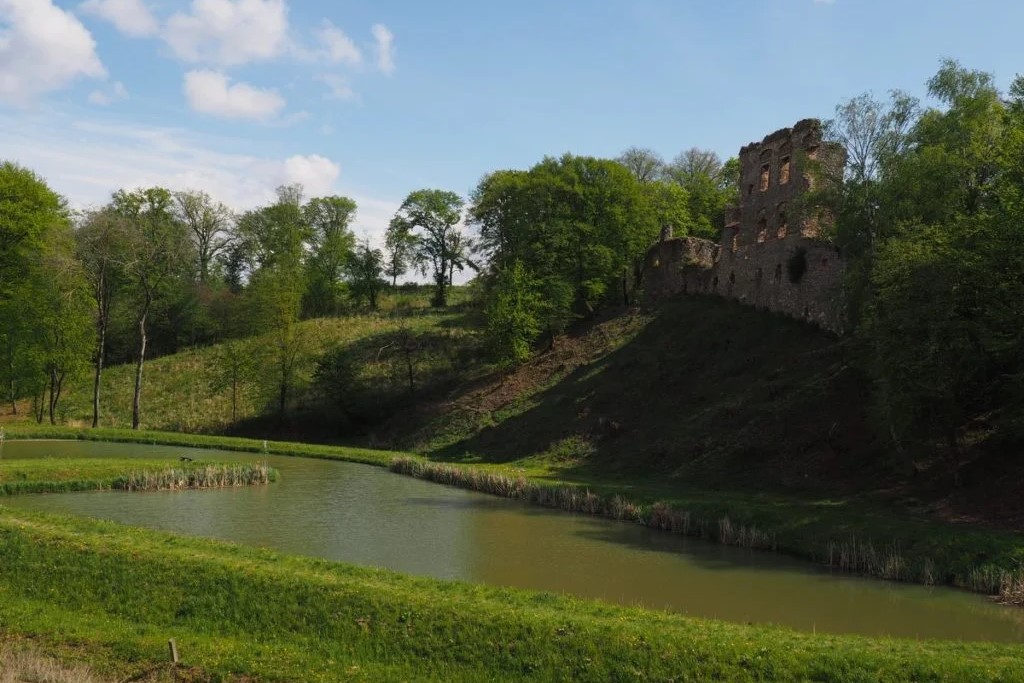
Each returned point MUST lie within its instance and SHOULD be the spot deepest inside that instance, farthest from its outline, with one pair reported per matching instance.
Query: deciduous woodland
(506, 336)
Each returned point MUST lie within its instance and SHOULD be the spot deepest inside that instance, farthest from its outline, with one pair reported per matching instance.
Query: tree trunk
(234, 398)
(53, 396)
(99, 371)
(137, 398)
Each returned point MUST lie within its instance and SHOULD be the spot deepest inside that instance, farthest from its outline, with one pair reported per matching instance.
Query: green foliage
(364, 267)
(928, 215)
(331, 244)
(577, 226)
(28, 211)
(427, 221)
(513, 315)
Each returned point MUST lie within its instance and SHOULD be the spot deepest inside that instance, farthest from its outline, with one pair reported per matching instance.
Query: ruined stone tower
(770, 253)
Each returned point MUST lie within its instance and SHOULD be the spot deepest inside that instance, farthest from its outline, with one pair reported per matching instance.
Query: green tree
(400, 248)
(711, 186)
(157, 246)
(101, 248)
(275, 239)
(331, 243)
(28, 209)
(513, 314)
(365, 267)
(433, 216)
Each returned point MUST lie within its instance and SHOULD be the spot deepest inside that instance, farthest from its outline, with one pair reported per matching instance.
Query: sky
(374, 99)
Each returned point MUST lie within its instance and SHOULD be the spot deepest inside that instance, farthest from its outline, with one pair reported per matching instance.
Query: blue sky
(375, 99)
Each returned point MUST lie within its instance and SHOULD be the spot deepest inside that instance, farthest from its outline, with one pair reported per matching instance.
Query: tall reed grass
(578, 499)
(211, 476)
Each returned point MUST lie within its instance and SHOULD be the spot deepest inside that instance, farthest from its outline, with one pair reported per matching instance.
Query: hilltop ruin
(770, 253)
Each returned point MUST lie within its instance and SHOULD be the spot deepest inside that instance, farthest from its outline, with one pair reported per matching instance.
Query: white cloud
(338, 47)
(210, 92)
(87, 161)
(131, 17)
(106, 97)
(337, 87)
(229, 32)
(315, 173)
(385, 48)
(42, 48)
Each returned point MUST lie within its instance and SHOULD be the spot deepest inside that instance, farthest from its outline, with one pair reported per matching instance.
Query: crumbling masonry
(770, 253)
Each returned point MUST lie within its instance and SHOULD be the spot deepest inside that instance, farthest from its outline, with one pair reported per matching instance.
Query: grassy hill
(179, 394)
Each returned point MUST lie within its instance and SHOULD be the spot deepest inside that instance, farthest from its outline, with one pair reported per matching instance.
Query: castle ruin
(770, 253)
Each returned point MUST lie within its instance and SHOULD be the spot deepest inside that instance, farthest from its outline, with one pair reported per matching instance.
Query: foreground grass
(119, 593)
(100, 474)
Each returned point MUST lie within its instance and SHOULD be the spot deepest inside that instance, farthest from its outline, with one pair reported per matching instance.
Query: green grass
(54, 475)
(113, 595)
(176, 394)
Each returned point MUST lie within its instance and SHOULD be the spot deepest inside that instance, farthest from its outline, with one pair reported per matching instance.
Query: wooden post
(173, 647)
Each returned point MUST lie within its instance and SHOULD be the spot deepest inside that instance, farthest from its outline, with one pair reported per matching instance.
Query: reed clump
(209, 476)
(582, 500)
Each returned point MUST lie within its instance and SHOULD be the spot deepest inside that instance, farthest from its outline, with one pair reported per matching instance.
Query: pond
(369, 516)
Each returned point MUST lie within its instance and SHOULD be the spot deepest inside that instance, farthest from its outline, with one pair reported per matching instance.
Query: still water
(366, 515)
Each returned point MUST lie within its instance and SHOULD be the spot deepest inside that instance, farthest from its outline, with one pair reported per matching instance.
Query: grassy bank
(58, 476)
(119, 593)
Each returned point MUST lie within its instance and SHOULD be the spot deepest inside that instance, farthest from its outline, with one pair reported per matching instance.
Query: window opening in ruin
(784, 171)
(766, 170)
(778, 272)
(762, 230)
(783, 228)
(750, 189)
(657, 263)
(732, 277)
(714, 283)
(735, 241)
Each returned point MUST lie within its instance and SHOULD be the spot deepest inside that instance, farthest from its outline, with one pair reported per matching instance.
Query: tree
(210, 225)
(60, 313)
(101, 248)
(30, 212)
(436, 215)
(646, 165)
(276, 237)
(710, 185)
(331, 243)
(400, 246)
(576, 225)
(234, 368)
(513, 320)
(28, 209)
(157, 245)
(365, 266)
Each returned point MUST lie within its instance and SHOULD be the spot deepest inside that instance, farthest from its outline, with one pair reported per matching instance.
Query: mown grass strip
(100, 474)
(241, 610)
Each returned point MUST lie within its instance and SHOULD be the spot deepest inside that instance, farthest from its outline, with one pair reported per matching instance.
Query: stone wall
(768, 255)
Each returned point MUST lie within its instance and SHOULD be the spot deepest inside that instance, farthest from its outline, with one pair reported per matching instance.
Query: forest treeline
(928, 215)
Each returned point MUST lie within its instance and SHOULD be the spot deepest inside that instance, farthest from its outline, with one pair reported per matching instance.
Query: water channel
(368, 516)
